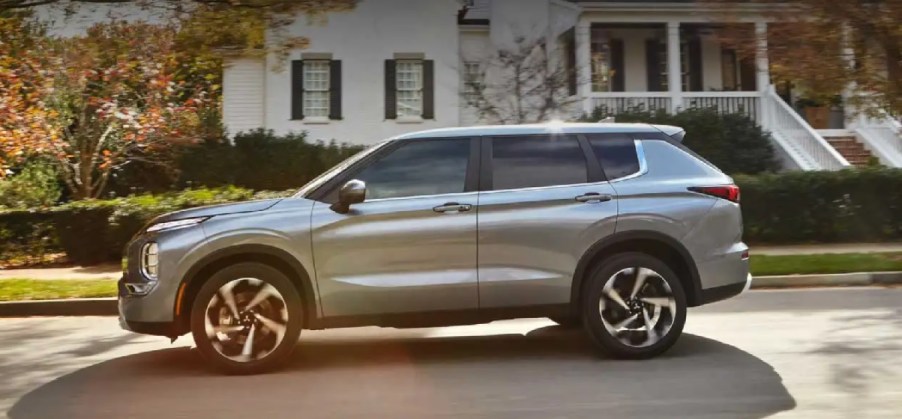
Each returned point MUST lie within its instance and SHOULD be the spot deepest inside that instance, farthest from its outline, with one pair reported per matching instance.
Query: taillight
(728, 192)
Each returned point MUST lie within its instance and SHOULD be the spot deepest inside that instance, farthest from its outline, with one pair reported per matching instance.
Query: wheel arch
(212, 263)
(662, 246)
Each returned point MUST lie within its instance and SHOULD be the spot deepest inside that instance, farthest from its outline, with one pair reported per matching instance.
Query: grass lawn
(41, 289)
(826, 263)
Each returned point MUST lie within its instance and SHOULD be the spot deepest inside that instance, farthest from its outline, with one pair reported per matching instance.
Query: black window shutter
(391, 93)
(618, 82)
(572, 85)
(747, 77)
(653, 64)
(695, 65)
(428, 89)
(335, 89)
(297, 89)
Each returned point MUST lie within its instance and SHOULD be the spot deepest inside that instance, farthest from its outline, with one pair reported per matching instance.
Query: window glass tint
(425, 167)
(536, 161)
(617, 155)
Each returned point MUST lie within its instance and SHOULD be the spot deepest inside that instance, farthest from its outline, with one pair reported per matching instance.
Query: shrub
(27, 236)
(260, 160)
(733, 142)
(36, 185)
(843, 206)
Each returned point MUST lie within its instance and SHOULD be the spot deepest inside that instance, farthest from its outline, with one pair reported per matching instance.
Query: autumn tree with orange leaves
(94, 103)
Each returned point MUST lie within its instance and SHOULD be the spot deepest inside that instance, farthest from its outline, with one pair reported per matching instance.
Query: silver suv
(617, 227)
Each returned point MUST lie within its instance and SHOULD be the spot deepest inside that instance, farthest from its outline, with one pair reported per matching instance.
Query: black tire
(611, 345)
(567, 322)
(293, 306)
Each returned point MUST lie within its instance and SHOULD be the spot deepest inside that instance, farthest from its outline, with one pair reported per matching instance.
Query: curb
(73, 307)
(110, 306)
(857, 279)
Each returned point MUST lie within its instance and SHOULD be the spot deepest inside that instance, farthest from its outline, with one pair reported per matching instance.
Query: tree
(252, 25)
(95, 103)
(827, 46)
(521, 84)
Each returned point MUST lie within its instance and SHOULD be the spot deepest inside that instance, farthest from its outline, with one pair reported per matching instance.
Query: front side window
(316, 88)
(423, 167)
(410, 87)
(537, 161)
(616, 153)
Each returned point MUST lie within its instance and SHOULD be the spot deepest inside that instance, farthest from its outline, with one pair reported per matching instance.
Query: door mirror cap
(352, 192)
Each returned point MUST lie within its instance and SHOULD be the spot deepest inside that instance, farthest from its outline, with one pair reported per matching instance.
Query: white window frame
(409, 90)
(317, 81)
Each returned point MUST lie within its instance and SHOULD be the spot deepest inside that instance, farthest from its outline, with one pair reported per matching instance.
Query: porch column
(584, 64)
(674, 67)
(762, 65)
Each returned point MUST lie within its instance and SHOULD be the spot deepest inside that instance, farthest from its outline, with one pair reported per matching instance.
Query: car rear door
(543, 201)
(411, 245)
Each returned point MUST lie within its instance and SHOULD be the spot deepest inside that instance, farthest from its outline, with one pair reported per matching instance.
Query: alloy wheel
(246, 319)
(637, 307)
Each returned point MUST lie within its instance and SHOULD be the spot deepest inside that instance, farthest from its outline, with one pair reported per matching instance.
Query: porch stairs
(849, 147)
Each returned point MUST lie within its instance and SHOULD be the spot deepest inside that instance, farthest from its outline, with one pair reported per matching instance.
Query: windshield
(329, 174)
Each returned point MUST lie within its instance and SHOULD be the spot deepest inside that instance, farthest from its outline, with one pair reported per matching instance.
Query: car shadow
(549, 372)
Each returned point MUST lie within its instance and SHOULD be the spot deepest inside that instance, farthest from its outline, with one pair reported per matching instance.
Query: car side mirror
(352, 192)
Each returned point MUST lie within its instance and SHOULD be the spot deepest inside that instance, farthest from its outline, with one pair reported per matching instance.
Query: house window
(684, 65)
(472, 75)
(601, 63)
(316, 88)
(410, 87)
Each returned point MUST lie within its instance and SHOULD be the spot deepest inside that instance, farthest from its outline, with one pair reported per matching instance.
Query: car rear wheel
(634, 306)
(247, 319)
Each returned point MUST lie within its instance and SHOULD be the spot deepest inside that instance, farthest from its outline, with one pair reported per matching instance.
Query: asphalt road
(811, 353)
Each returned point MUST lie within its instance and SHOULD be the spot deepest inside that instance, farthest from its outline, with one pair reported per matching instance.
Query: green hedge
(733, 142)
(844, 206)
(260, 160)
(798, 207)
(92, 232)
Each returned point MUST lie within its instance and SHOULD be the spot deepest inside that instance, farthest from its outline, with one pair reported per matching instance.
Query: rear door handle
(594, 197)
(453, 207)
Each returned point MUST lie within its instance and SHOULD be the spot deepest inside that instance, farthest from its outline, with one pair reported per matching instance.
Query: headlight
(172, 225)
(150, 260)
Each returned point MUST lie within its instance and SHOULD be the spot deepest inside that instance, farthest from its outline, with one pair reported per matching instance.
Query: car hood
(222, 209)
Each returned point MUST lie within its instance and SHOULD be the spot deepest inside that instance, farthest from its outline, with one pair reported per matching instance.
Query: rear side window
(616, 153)
(537, 161)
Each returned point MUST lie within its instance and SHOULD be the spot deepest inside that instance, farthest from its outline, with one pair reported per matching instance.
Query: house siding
(243, 94)
(363, 39)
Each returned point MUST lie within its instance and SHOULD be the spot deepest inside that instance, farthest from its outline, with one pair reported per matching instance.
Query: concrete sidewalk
(813, 249)
(113, 271)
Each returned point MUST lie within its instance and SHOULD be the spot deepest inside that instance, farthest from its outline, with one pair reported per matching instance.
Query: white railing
(883, 136)
(804, 145)
(744, 103)
(614, 103)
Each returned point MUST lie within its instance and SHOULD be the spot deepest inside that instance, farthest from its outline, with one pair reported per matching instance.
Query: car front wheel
(634, 306)
(246, 318)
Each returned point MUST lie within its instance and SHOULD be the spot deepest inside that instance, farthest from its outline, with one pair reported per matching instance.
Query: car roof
(530, 129)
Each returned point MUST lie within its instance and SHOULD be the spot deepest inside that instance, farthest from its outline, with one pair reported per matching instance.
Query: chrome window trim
(643, 164)
(543, 188)
(400, 198)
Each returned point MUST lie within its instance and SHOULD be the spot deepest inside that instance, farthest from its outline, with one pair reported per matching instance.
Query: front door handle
(594, 197)
(453, 207)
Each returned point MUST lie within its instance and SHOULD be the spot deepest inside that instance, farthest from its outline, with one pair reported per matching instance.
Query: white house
(394, 66)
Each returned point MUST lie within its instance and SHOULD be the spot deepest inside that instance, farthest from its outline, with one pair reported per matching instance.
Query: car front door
(543, 202)
(411, 245)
